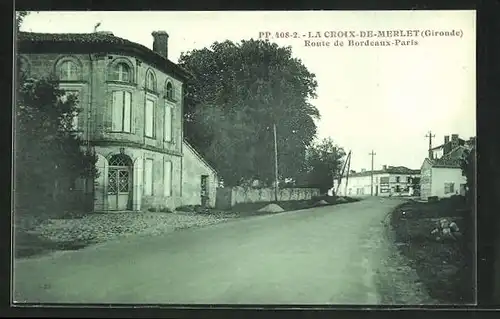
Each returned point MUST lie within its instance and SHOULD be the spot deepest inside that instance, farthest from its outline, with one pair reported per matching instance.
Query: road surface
(324, 255)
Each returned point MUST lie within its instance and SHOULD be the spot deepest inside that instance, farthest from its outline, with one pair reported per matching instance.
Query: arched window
(150, 81)
(169, 91)
(68, 71)
(121, 72)
(120, 160)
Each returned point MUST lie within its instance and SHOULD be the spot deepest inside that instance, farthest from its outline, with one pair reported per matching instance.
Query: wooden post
(371, 174)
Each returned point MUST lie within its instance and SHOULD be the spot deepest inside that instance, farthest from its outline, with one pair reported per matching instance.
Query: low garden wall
(227, 197)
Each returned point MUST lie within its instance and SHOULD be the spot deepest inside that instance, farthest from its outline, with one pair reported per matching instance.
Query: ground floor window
(449, 188)
(148, 177)
(167, 178)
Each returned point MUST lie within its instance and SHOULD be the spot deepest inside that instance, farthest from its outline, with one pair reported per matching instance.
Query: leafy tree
(48, 154)
(324, 162)
(415, 184)
(237, 93)
(20, 15)
(468, 163)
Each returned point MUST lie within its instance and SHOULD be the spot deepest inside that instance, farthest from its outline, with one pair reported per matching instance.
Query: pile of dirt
(271, 208)
(321, 203)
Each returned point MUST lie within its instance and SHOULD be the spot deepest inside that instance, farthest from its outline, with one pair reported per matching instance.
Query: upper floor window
(150, 81)
(121, 111)
(167, 123)
(121, 72)
(169, 91)
(149, 118)
(68, 71)
(397, 179)
(75, 95)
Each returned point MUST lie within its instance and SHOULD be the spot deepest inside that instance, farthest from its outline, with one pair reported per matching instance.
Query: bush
(432, 199)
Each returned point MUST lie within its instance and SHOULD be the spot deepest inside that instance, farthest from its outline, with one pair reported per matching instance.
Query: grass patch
(444, 267)
(28, 245)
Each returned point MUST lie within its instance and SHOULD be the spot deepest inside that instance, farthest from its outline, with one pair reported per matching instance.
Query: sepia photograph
(244, 158)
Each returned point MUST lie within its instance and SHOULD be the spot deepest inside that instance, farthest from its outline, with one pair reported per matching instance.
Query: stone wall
(228, 197)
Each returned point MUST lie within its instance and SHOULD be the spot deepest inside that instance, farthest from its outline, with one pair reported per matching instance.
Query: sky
(380, 98)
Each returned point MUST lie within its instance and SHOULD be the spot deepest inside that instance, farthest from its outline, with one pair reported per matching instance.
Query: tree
(415, 184)
(236, 95)
(324, 162)
(48, 153)
(20, 15)
(468, 166)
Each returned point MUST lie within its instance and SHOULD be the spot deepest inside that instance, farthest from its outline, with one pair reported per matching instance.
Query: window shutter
(167, 178)
(148, 177)
(117, 111)
(149, 118)
(127, 111)
(168, 123)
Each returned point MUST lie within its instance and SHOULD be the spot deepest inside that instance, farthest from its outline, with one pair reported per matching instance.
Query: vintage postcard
(245, 157)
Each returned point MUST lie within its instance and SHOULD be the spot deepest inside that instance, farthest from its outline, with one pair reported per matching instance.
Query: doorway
(120, 182)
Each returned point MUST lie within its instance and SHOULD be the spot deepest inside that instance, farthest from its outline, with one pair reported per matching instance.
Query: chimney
(160, 43)
(384, 167)
(446, 139)
(454, 141)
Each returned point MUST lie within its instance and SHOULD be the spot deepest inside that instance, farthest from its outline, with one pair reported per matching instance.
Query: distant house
(389, 181)
(441, 171)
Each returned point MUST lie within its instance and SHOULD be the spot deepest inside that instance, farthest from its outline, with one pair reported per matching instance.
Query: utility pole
(347, 173)
(275, 165)
(372, 155)
(430, 136)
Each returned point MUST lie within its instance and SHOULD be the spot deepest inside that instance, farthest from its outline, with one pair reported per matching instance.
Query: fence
(227, 197)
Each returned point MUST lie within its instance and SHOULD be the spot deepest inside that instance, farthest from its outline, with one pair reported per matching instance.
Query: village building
(131, 101)
(388, 181)
(441, 171)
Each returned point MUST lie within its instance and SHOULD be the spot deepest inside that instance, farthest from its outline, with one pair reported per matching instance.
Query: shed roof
(195, 152)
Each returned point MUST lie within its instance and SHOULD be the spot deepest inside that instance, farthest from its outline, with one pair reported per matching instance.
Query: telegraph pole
(275, 165)
(372, 155)
(430, 136)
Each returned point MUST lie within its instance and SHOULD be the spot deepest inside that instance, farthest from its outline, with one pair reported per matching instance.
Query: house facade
(441, 172)
(389, 181)
(131, 102)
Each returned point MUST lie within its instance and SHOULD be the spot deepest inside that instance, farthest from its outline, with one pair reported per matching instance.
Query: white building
(389, 181)
(441, 172)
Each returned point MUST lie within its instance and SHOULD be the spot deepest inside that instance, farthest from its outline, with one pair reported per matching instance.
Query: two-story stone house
(131, 101)
(441, 171)
(389, 181)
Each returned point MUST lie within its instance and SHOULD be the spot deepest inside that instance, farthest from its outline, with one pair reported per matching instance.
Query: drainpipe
(182, 140)
(88, 125)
